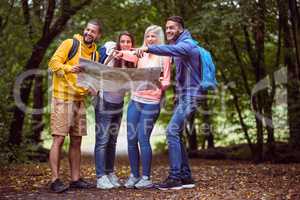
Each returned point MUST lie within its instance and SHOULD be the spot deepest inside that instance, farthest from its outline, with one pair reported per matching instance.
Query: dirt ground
(215, 179)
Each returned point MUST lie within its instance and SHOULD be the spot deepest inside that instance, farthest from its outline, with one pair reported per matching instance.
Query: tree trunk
(208, 135)
(37, 118)
(270, 130)
(191, 133)
(38, 52)
(268, 109)
(15, 136)
(258, 63)
(293, 93)
(292, 59)
(295, 18)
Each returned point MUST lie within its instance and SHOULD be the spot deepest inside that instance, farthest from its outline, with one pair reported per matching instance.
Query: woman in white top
(108, 114)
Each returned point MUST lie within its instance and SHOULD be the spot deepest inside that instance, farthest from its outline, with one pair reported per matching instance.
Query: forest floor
(215, 179)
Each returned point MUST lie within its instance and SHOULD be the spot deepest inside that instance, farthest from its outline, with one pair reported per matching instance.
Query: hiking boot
(144, 183)
(80, 184)
(104, 183)
(114, 180)
(170, 183)
(58, 186)
(188, 183)
(131, 181)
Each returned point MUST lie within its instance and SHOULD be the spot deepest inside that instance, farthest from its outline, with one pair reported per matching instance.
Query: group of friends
(68, 115)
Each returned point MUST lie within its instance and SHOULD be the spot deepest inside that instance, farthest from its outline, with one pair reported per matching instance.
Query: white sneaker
(144, 183)
(114, 179)
(104, 183)
(131, 181)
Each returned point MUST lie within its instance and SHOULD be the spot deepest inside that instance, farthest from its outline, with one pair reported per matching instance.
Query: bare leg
(75, 157)
(54, 155)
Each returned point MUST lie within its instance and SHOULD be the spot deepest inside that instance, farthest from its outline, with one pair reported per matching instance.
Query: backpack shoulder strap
(191, 40)
(73, 49)
(94, 56)
(102, 54)
(108, 59)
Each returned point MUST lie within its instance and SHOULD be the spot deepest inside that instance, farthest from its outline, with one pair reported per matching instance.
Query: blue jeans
(179, 166)
(108, 119)
(141, 118)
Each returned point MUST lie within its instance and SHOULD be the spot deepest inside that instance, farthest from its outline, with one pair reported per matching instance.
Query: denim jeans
(141, 118)
(179, 166)
(108, 119)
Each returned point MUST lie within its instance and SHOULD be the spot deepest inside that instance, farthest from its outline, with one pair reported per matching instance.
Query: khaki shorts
(68, 117)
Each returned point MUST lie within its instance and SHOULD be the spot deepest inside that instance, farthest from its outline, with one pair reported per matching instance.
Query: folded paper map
(101, 77)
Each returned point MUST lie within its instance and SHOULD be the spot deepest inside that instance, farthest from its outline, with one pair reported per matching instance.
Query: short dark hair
(177, 19)
(96, 22)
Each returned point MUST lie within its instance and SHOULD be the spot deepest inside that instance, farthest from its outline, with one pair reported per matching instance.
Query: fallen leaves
(215, 180)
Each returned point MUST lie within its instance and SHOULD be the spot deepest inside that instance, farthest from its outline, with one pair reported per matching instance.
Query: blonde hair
(158, 31)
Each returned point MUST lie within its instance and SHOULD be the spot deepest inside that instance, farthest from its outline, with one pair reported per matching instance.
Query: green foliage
(160, 147)
(14, 51)
(213, 23)
(23, 154)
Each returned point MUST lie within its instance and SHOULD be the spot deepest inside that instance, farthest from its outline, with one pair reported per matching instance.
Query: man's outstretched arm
(175, 50)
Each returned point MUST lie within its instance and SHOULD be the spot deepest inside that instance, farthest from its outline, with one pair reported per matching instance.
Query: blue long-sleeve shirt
(187, 60)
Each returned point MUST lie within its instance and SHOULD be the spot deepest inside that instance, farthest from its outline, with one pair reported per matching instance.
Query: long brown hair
(118, 63)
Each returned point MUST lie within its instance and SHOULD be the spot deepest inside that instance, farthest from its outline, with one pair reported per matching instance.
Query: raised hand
(92, 92)
(117, 54)
(139, 52)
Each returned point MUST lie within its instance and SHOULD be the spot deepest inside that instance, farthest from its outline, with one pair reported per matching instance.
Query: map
(101, 77)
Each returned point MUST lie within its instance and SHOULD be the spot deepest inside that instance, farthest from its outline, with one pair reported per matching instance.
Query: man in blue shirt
(189, 94)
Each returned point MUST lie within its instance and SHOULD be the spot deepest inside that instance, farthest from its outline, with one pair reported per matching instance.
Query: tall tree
(290, 57)
(258, 63)
(52, 26)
